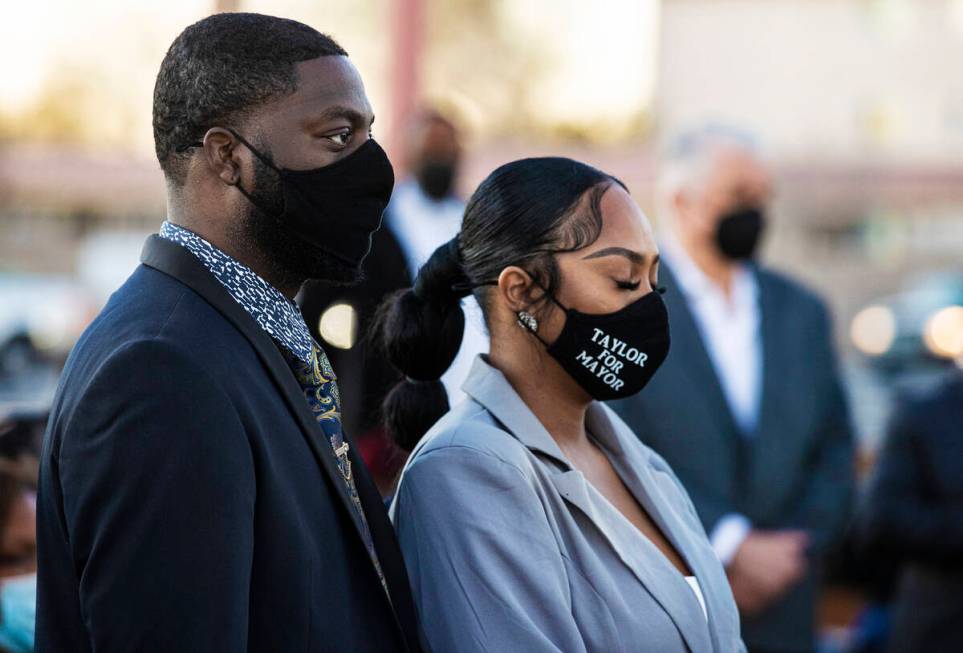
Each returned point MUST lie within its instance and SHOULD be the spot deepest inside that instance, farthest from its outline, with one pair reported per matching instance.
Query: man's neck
(718, 269)
(256, 260)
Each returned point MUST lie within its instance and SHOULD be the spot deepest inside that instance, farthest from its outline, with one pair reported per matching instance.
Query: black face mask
(738, 233)
(335, 208)
(612, 356)
(436, 178)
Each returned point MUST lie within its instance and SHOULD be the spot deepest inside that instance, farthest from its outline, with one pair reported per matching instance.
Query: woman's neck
(550, 393)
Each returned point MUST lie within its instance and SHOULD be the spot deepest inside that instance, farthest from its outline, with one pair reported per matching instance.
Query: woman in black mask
(530, 517)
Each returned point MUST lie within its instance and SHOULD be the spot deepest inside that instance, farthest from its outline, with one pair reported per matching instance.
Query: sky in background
(91, 65)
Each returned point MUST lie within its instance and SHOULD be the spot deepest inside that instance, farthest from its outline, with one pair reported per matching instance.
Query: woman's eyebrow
(633, 256)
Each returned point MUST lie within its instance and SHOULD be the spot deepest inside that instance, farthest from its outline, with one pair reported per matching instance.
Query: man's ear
(517, 287)
(220, 149)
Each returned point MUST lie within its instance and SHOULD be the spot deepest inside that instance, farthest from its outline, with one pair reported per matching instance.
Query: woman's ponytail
(421, 330)
(522, 214)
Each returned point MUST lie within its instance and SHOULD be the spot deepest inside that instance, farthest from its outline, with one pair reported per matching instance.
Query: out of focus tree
(543, 69)
(475, 61)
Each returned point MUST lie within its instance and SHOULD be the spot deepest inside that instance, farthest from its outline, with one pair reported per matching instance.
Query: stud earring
(527, 321)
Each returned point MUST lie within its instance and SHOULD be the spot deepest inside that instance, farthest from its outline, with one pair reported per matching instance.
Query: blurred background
(857, 105)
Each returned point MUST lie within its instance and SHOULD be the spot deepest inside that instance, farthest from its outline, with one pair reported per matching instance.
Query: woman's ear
(516, 286)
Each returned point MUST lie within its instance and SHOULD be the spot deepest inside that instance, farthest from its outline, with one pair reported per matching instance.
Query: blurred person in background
(913, 515)
(19, 444)
(197, 491)
(532, 519)
(749, 409)
(424, 212)
(18, 559)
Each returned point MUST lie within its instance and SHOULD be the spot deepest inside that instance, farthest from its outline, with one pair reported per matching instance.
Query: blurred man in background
(914, 515)
(764, 445)
(424, 212)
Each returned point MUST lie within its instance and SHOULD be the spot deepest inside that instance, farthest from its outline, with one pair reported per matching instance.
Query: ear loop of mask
(468, 287)
(556, 302)
(265, 161)
(254, 151)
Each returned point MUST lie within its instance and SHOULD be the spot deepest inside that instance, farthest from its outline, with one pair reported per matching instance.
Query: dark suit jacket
(914, 513)
(188, 500)
(796, 471)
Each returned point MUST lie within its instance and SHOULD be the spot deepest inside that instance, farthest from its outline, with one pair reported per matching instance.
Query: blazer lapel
(175, 261)
(637, 476)
(656, 504)
(492, 390)
(664, 583)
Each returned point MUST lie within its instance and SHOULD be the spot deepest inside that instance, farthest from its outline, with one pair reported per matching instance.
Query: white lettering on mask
(606, 365)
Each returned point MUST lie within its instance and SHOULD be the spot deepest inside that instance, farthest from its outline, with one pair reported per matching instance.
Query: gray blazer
(509, 548)
(796, 471)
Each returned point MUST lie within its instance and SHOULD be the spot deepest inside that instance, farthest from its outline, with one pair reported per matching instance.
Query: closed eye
(628, 285)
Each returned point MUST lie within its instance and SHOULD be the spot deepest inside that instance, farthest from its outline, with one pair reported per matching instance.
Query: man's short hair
(690, 156)
(221, 68)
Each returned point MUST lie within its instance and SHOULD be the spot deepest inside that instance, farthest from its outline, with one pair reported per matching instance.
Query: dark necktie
(320, 389)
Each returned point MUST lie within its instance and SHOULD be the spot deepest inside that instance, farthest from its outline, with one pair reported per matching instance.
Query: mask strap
(468, 287)
(254, 151)
(244, 142)
(250, 198)
(550, 296)
(264, 159)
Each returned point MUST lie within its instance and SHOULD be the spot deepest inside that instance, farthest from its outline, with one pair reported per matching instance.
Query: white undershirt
(729, 327)
(421, 225)
(697, 590)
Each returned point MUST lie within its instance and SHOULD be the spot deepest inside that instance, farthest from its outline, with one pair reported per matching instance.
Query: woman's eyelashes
(632, 286)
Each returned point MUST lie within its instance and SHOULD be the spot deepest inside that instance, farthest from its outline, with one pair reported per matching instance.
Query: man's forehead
(735, 165)
(327, 82)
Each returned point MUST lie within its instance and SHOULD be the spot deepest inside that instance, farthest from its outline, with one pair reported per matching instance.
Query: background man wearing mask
(424, 213)
(197, 492)
(762, 439)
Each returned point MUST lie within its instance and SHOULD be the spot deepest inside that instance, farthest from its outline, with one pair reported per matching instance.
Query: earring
(527, 321)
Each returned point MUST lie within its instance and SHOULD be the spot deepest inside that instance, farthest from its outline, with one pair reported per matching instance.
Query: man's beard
(289, 258)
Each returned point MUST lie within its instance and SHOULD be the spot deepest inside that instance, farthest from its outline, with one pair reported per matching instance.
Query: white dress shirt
(729, 327)
(421, 225)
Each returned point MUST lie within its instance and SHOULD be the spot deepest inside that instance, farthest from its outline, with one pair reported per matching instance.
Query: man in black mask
(748, 407)
(197, 490)
(424, 213)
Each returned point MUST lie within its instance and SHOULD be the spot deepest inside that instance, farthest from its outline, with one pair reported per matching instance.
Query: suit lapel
(772, 431)
(688, 344)
(389, 553)
(177, 262)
